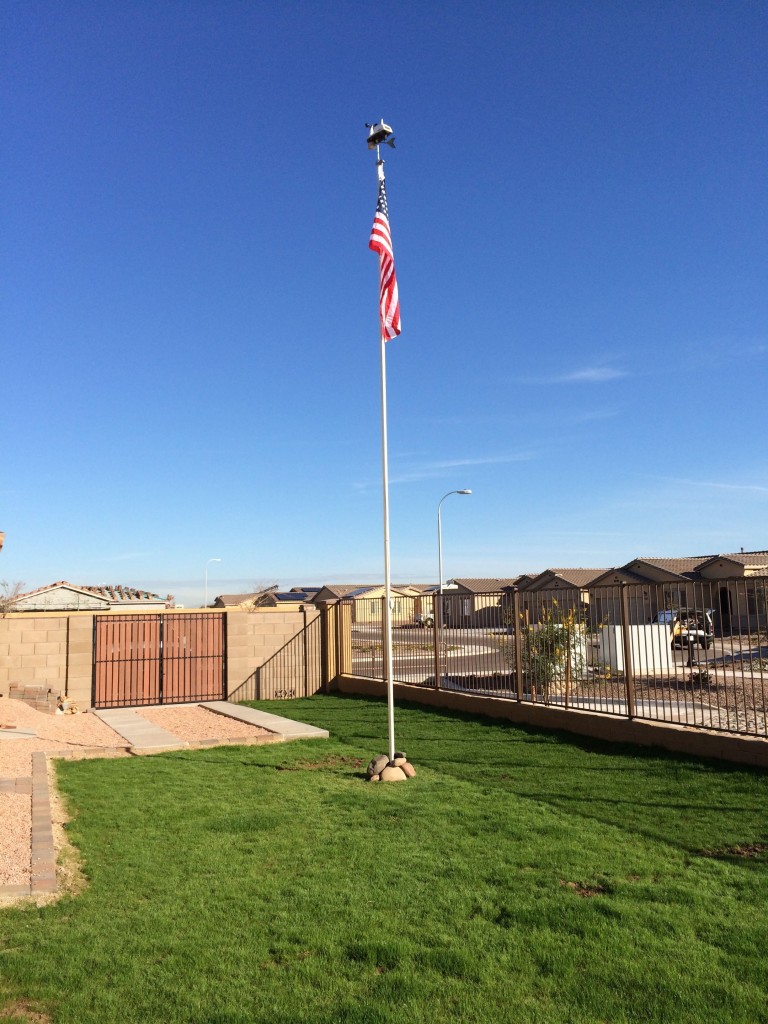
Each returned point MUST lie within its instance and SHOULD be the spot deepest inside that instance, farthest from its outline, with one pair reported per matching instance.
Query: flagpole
(388, 673)
(389, 327)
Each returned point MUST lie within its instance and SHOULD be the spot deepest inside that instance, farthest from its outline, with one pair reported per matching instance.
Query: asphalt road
(479, 651)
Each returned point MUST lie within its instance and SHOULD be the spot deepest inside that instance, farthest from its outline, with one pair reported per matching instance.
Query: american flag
(381, 242)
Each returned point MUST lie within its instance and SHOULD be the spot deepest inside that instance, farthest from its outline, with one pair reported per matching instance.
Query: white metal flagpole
(387, 573)
(389, 327)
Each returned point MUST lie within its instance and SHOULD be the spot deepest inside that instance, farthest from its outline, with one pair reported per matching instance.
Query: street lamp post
(439, 614)
(205, 604)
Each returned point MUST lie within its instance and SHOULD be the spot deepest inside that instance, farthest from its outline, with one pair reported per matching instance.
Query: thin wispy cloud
(595, 374)
(432, 470)
(590, 415)
(717, 485)
(590, 375)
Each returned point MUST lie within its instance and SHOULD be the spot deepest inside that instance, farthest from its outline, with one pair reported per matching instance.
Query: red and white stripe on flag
(381, 242)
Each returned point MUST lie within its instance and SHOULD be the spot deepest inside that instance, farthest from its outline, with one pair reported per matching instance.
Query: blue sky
(189, 336)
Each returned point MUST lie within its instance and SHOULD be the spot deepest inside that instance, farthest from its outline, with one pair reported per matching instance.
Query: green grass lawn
(521, 877)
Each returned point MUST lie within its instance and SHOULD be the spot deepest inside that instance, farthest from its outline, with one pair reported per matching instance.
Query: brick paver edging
(43, 852)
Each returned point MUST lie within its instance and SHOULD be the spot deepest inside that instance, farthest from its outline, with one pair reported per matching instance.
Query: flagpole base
(385, 769)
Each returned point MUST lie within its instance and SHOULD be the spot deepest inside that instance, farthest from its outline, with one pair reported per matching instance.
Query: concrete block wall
(52, 651)
(56, 650)
(255, 637)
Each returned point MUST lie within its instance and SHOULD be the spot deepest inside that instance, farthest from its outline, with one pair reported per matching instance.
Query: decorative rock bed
(381, 769)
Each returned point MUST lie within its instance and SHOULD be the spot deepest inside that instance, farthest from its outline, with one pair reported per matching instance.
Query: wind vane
(379, 133)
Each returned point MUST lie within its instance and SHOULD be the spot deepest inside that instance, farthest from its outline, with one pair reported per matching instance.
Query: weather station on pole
(394, 765)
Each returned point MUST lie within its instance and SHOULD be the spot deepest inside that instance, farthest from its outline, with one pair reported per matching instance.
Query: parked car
(688, 626)
(425, 619)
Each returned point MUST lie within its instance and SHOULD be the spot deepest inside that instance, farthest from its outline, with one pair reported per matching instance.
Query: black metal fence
(693, 653)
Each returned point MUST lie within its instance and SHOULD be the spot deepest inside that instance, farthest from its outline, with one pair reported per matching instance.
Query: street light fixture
(439, 615)
(205, 604)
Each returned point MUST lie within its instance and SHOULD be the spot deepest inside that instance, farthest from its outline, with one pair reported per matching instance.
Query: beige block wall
(51, 650)
(56, 650)
(255, 637)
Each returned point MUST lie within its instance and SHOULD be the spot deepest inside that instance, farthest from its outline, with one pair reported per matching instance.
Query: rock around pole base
(381, 769)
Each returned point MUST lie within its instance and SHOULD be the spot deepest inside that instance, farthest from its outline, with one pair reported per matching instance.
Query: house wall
(62, 600)
(369, 610)
(465, 608)
(740, 606)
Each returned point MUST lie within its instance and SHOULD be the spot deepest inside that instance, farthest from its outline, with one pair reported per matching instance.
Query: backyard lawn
(521, 877)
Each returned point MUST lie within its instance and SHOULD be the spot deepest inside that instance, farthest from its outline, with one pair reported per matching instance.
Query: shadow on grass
(647, 791)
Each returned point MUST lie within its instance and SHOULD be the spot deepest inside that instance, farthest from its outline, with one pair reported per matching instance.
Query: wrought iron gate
(159, 659)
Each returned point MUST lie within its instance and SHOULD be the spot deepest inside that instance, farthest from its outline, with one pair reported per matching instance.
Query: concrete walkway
(144, 737)
(284, 727)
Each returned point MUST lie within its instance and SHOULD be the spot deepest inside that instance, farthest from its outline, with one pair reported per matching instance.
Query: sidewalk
(145, 737)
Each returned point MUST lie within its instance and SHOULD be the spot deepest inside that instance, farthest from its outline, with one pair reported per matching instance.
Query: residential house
(246, 602)
(738, 608)
(475, 602)
(69, 597)
(333, 592)
(656, 584)
(569, 587)
(368, 604)
(409, 600)
(606, 598)
(310, 593)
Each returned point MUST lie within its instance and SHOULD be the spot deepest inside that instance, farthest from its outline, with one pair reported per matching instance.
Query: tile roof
(53, 586)
(579, 577)
(746, 558)
(352, 589)
(484, 585)
(681, 566)
(626, 574)
(343, 589)
(113, 594)
(123, 595)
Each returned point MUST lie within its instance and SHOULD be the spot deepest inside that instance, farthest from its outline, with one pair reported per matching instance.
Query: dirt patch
(333, 761)
(69, 873)
(585, 889)
(23, 1011)
(743, 850)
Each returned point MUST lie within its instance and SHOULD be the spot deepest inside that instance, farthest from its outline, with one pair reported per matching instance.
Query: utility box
(650, 647)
